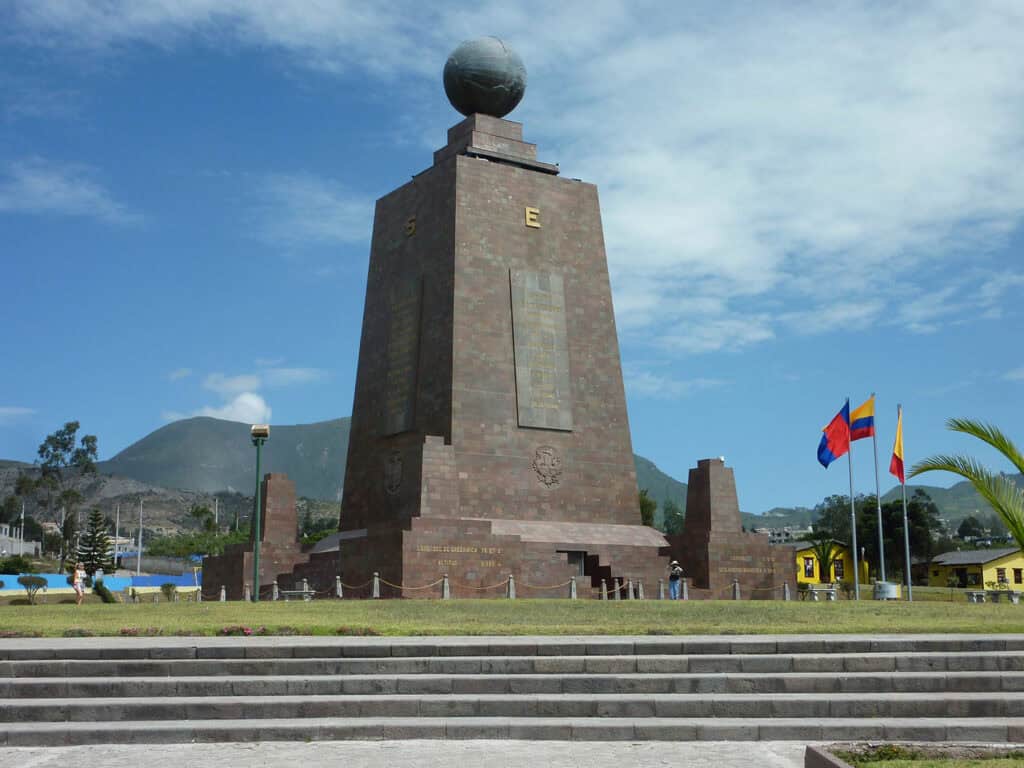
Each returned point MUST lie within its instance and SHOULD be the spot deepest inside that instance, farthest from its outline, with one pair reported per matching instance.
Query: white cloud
(302, 209)
(1017, 374)
(10, 413)
(756, 166)
(247, 407)
(283, 377)
(654, 385)
(36, 186)
(179, 374)
(231, 385)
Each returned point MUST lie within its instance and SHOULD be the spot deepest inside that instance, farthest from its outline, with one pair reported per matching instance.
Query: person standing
(78, 583)
(675, 579)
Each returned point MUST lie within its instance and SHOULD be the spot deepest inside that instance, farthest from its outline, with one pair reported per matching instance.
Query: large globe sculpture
(486, 76)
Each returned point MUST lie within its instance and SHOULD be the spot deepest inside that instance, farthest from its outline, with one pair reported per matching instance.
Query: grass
(935, 756)
(504, 617)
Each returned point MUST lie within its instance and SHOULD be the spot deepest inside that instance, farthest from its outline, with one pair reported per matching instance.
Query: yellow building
(808, 570)
(981, 568)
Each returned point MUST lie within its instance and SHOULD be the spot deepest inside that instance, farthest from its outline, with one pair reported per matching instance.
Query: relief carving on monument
(403, 351)
(541, 349)
(548, 466)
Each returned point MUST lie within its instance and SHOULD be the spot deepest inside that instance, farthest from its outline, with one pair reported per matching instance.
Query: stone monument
(489, 430)
(713, 548)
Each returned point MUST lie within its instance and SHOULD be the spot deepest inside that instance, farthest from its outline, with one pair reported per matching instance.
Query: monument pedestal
(713, 548)
(489, 429)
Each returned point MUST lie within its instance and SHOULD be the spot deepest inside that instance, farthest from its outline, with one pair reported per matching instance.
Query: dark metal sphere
(486, 76)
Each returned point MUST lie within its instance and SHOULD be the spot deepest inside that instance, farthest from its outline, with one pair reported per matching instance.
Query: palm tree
(822, 545)
(998, 490)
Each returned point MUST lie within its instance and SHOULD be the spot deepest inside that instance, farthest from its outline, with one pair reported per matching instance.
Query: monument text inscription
(402, 357)
(541, 350)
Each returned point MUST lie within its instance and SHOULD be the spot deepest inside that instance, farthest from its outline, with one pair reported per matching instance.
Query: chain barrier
(503, 583)
(425, 586)
(524, 585)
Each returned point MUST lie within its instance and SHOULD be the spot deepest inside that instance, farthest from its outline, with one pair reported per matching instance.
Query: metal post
(735, 589)
(117, 532)
(21, 531)
(618, 588)
(511, 587)
(604, 590)
(572, 587)
(661, 589)
(853, 520)
(376, 586)
(138, 560)
(337, 587)
(878, 504)
(258, 442)
(446, 590)
(903, 489)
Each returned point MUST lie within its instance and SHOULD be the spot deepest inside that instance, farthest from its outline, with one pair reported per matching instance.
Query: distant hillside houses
(784, 535)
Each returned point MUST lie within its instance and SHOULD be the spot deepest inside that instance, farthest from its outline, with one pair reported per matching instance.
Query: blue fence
(114, 583)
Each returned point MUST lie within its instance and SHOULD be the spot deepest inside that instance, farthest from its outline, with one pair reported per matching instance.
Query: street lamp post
(259, 433)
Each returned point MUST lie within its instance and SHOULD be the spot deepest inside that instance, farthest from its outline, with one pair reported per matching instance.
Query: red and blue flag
(836, 438)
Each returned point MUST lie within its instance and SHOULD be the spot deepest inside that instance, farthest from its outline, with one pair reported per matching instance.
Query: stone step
(834, 705)
(992, 661)
(285, 685)
(317, 647)
(990, 730)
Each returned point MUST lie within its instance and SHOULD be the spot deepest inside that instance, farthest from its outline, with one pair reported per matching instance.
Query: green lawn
(519, 617)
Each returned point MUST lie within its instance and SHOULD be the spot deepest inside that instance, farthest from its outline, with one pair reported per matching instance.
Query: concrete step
(834, 705)
(285, 685)
(318, 647)
(990, 730)
(991, 661)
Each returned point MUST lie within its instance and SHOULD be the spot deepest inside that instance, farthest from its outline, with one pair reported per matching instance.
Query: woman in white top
(78, 583)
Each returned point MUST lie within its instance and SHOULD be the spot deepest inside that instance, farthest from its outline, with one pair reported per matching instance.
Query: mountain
(206, 454)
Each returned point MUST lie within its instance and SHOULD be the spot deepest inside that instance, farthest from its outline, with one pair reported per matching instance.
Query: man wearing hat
(675, 578)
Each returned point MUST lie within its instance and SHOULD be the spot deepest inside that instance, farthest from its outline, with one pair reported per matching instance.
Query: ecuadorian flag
(862, 420)
(836, 440)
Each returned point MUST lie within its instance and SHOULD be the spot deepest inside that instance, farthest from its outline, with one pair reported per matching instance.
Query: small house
(978, 568)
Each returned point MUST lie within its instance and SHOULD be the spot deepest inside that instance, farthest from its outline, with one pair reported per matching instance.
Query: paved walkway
(416, 754)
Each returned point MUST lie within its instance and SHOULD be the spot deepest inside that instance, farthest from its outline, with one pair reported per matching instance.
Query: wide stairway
(135, 690)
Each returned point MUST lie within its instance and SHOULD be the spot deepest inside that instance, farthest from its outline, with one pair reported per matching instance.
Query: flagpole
(853, 523)
(878, 502)
(906, 525)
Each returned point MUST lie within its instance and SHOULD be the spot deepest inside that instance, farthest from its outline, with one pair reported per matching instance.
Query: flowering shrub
(241, 629)
(129, 632)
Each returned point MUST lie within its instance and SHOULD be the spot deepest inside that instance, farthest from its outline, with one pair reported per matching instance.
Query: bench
(997, 594)
(305, 594)
(828, 592)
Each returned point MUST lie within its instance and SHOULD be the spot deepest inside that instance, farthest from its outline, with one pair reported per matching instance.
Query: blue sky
(800, 204)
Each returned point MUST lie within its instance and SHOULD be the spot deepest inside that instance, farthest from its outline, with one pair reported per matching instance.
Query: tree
(970, 528)
(674, 517)
(32, 585)
(1000, 491)
(94, 547)
(61, 457)
(204, 515)
(647, 508)
(15, 564)
(822, 544)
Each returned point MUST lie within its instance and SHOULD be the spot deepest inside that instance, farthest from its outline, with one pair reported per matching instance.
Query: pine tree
(94, 547)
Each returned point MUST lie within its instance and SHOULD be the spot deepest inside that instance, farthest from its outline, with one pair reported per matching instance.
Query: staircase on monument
(594, 570)
(148, 690)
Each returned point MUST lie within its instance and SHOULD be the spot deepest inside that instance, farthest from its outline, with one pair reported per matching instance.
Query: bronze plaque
(541, 350)
(404, 304)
